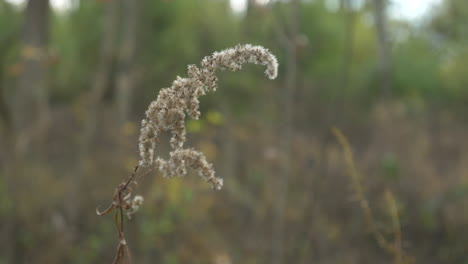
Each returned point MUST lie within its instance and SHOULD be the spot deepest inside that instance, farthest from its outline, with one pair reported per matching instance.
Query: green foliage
(390, 166)
(417, 69)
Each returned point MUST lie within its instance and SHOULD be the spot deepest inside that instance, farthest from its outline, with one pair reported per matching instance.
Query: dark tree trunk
(126, 73)
(383, 45)
(348, 43)
(30, 104)
(103, 72)
(286, 133)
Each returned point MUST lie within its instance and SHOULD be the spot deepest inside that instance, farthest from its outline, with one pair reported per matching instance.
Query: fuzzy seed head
(168, 111)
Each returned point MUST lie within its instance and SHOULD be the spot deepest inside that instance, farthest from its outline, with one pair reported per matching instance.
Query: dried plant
(392, 247)
(168, 113)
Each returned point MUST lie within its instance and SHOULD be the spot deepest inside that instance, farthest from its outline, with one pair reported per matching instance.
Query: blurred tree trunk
(29, 111)
(4, 113)
(250, 7)
(383, 45)
(286, 133)
(30, 103)
(127, 71)
(348, 43)
(102, 75)
(250, 20)
(99, 85)
(5, 118)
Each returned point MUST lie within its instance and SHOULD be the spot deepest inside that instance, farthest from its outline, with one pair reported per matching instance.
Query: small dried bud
(138, 200)
(134, 205)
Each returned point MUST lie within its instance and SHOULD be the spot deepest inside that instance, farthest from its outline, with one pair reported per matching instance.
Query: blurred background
(390, 186)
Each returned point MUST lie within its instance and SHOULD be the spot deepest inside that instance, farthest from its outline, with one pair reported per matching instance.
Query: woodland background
(74, 85)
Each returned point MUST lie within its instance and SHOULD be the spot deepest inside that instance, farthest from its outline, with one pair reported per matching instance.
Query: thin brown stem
(121, 194)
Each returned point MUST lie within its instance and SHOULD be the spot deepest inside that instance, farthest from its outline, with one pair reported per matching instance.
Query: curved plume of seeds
(168, 111)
